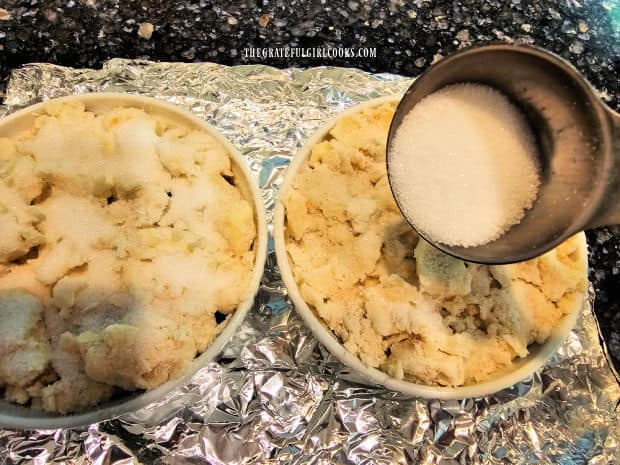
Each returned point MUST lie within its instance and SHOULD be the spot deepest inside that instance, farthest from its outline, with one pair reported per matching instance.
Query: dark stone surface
(407, 35)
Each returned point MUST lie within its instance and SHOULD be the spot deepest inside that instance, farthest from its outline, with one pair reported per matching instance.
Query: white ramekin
(522, 368)
(15, 416)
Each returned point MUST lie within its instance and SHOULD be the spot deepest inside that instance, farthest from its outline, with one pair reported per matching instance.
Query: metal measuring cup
(578, 139)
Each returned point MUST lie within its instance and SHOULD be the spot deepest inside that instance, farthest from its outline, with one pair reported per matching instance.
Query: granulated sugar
(463, 165)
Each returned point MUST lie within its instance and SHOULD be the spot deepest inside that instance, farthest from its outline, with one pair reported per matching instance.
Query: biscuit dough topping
(124, 236)
(393, 300)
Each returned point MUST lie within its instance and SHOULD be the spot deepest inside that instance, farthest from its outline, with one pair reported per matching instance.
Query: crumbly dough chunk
(395, 301)
(74, 390)
(24, 347)
(18, 222)
(123, 235)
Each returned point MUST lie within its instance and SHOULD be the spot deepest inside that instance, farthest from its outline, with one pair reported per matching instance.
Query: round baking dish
(522, 368)
(15, 416)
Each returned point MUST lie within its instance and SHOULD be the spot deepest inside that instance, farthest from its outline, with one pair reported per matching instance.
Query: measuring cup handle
(609, 213)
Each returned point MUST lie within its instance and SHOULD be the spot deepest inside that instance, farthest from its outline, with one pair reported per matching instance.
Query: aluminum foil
(275, 396)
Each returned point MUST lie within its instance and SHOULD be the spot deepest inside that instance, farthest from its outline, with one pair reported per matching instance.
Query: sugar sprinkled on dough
(122, 239)
(463, 165)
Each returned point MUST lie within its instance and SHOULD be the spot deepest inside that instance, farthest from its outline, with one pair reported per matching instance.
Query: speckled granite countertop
(408, 36)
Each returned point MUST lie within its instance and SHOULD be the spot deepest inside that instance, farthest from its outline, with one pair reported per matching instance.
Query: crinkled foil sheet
(276, 396)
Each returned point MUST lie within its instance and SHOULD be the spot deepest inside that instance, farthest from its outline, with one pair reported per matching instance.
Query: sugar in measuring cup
(577, 140)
